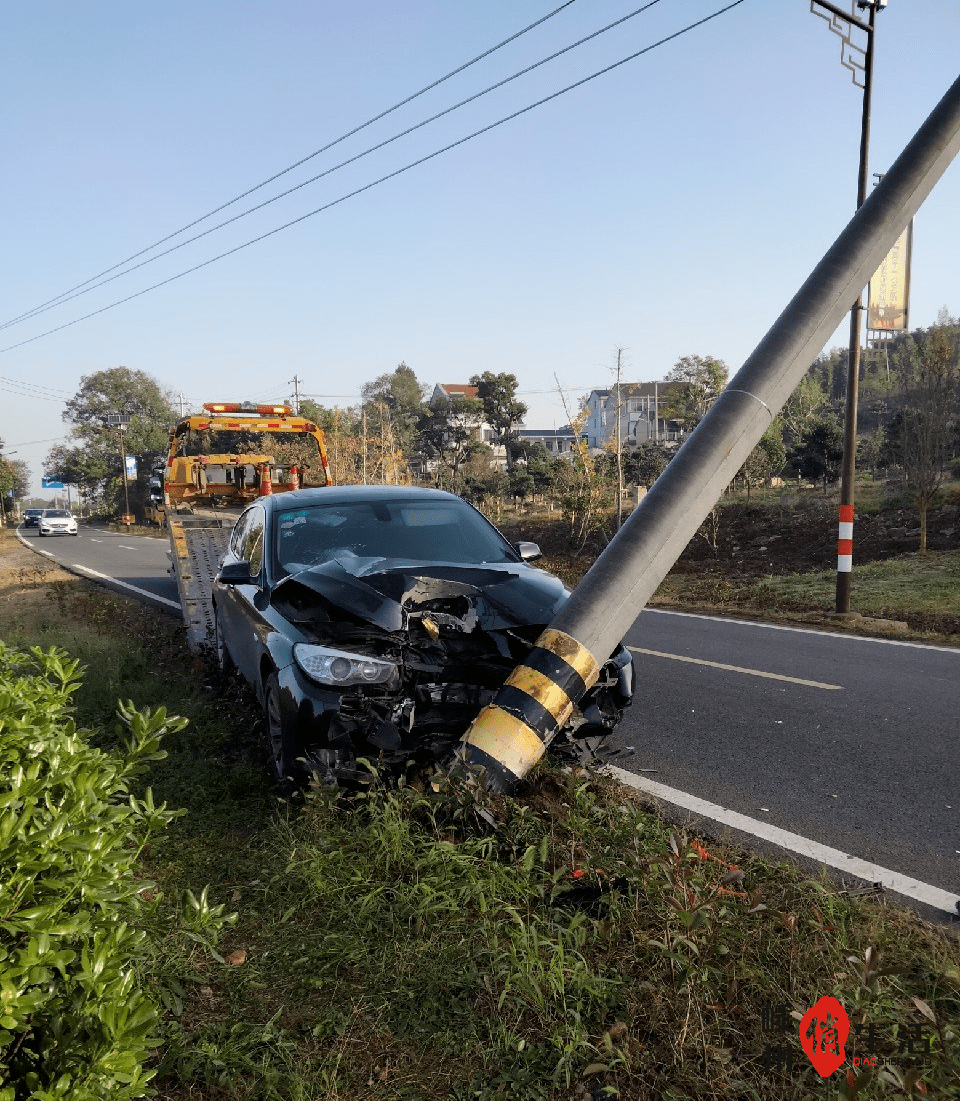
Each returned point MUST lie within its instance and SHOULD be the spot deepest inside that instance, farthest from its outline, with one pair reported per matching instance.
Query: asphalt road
(137, 565)
(851, 742)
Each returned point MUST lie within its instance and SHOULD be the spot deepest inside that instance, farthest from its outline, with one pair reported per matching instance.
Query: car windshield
(424, 531)
(56, 514)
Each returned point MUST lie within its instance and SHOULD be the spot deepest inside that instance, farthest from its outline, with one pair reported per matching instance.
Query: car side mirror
(235, 573)
(529, 552)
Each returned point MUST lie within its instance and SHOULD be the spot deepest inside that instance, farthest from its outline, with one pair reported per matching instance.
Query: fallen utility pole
(510, 735)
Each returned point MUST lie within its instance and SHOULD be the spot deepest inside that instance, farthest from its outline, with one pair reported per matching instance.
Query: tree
(501, 410)
(821, 451)
(692, 386)
(802, 408)
(391, 408)
(94, 451)
(14, 481)
(79, 466)
(928, 374)
(342, 432)
(542, 467)
(766, 460)
(647, 463)
(483, 484)
(448, 434)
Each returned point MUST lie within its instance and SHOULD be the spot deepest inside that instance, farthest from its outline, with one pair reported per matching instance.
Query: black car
(31, 517)
(376, 621)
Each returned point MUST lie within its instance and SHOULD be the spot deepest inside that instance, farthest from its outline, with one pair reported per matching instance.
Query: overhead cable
(276, 176)
(67, 297)
(42, 391)
(377, 182)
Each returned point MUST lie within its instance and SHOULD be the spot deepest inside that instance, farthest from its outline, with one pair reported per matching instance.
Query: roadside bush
(73, 1023)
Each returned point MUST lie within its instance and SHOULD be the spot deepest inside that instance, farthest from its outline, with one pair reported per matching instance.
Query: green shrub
(73, 1023)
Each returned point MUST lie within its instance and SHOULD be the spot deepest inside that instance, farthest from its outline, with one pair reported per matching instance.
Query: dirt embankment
(744, 541)
(750, 541)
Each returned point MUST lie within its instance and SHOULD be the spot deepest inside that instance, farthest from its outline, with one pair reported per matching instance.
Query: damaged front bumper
(419, 719)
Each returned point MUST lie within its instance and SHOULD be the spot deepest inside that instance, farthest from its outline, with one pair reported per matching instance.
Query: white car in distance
(57, 521)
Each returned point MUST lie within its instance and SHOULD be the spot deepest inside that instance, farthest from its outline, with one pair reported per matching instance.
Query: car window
(424, 531)
(56, 513)
(236, 537)
(251, 549)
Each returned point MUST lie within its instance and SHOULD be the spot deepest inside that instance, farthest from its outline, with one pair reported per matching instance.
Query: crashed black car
(376, 621)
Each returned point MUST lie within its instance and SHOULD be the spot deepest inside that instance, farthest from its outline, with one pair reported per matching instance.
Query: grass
(922, 588)
(421, 944)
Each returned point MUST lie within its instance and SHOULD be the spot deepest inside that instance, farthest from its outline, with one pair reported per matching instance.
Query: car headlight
(339, 668)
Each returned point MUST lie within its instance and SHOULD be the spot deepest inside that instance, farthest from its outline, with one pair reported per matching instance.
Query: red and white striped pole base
(845, 560)
(845, 540)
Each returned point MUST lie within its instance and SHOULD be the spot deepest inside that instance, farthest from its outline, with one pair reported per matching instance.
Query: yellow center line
(738, 669)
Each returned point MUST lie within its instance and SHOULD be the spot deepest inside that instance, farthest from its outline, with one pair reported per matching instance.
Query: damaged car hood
(385, 592)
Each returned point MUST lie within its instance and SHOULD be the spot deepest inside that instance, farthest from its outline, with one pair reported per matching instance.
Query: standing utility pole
(859, 60)
(619, 373)
(120, 422)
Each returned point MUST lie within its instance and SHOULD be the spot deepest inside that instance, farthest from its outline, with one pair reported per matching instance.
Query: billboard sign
(131, 466)
(50, 483)
(889, 298)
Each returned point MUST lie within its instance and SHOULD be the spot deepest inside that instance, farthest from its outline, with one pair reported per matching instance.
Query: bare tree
(928, 374)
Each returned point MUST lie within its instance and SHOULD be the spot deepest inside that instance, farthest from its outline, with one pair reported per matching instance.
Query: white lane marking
(793, 842)
(738, 669)
(804, 630)
(123, 585)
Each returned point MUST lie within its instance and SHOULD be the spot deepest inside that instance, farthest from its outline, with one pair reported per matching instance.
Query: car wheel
(225, 663)
(282, 740)
(42, 534)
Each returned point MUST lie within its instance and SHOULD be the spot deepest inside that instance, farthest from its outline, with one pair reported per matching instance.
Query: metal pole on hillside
(511, 734)
(859, 61)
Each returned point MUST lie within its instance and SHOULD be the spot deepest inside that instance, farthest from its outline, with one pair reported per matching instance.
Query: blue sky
(672, 206)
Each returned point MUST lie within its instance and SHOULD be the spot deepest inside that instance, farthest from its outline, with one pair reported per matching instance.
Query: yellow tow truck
(211, 476)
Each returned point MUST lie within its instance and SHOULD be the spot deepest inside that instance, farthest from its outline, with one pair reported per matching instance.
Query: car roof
(344, 495)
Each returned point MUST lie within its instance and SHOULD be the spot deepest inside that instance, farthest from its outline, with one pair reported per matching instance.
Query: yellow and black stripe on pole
(511, 734)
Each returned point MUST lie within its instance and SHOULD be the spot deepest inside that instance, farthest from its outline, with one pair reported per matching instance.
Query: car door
(239, 606)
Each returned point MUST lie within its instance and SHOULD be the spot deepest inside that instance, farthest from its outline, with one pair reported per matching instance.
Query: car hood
(385, 591)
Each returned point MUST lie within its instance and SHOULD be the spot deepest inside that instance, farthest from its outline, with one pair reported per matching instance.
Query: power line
(32, 385)
(375, 183)
(29, 394)
(276, 176)
(31, 443)
(68, 297)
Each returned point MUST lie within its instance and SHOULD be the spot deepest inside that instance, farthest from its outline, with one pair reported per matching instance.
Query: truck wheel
(225, 663)
(282, 740)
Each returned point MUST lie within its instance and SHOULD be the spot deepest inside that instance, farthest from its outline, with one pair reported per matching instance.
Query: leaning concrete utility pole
(510, 735)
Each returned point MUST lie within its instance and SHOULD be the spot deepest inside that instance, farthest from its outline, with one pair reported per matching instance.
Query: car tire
(283, 742)
(225, 663)
(42, 534)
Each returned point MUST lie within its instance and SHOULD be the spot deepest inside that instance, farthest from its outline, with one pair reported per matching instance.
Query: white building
(631, 414)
